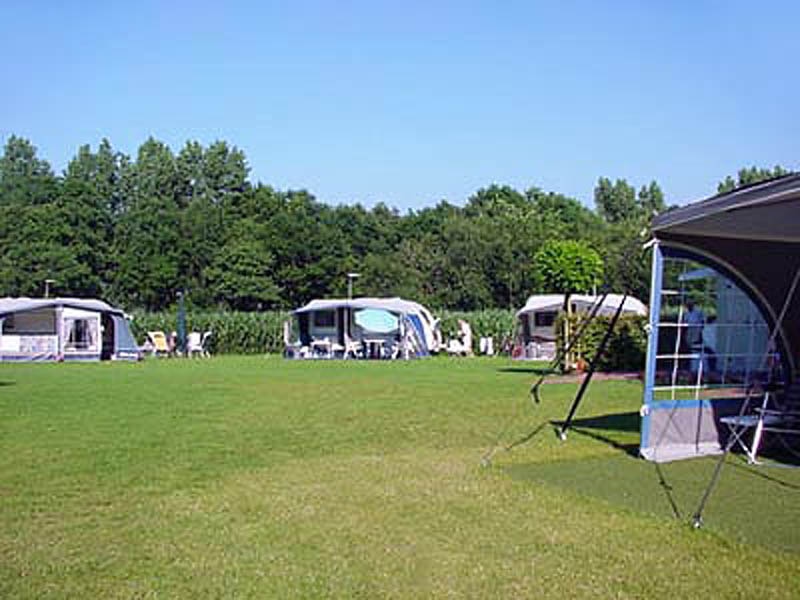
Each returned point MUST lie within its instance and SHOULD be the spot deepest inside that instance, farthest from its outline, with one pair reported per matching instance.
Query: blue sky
(413, 102)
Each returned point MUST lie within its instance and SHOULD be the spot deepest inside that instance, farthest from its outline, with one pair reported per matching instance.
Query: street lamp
(350, 277)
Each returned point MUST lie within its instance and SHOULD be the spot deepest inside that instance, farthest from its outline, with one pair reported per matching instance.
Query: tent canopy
(556, 301)
(753, 235)
(13, 305)
(395, 305)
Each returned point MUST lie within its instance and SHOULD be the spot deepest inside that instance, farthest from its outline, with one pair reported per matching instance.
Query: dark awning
(753, 234)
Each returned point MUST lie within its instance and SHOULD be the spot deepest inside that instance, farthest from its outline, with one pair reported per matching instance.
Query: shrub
(626, 350)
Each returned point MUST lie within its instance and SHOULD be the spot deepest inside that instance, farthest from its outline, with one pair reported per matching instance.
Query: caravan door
(80, 334)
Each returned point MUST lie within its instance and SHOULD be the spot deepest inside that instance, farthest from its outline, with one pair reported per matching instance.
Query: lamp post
(350, 277)
(47, 283)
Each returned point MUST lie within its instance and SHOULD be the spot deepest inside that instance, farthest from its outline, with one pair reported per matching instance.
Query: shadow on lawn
(751, 504)
(748, 504)
(7, 383)
(759, 472)
(595, 428)
(528, 370)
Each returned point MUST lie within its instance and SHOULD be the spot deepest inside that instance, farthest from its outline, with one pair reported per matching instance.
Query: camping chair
(204, 344)
(158, 342)
(322, 348)
(292, 348)
(462, 346)
(196, 344)
(353, 349)
(337, 350)
(778, 413)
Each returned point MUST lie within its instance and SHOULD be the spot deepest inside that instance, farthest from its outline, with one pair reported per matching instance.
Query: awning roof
(753, 235)
(765, 211)
(556, 301)
(13, 305)
(396, 305)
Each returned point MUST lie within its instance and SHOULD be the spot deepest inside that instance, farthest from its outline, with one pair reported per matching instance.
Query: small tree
(567, 267)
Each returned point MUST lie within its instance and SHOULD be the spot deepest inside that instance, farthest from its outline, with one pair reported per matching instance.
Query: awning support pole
(592, 366)
(697, 519)
(576, 337)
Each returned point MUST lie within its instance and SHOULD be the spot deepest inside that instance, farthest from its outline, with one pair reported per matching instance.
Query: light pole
(350, 277)
(47, 283)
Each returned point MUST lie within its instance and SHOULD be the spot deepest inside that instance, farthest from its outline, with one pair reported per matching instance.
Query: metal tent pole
(576, 337)
(697, 518)
(592, 366)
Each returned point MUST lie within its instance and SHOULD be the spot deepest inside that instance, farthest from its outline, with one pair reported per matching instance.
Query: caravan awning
(12, 305)
(556, 301)
(764, 212)
(752, 235)
(395, 305)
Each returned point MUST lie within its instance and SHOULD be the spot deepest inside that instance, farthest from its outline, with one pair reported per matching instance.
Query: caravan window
(325, 319)
(35, 322)
(81, 334)
(544, 319)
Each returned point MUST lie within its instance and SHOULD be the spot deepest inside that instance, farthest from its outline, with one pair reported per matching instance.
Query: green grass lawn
(253, 477)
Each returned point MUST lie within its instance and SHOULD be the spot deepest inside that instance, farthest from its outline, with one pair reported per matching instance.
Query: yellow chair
(158, 342)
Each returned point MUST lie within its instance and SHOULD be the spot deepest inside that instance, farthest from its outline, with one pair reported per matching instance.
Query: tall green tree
(208, 180)
(241, 275)
(34, 251)
(462, 277)
(25, 179)
(627, 216)
(615, 201)
(651, 200)
(148, 244)
(748, 176)
(28, 188)
(90, 199)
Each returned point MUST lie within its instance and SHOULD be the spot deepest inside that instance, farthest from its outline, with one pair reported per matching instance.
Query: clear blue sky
(413, 102)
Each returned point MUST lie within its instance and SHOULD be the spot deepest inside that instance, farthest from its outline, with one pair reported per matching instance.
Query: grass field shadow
(752, 504)
(528, 370)
(602, 428)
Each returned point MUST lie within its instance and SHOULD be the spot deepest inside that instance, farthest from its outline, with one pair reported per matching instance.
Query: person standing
(693, 320)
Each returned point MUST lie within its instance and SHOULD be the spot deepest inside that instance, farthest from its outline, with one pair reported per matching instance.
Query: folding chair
(777, 413)
(158, 341)
(204, 344)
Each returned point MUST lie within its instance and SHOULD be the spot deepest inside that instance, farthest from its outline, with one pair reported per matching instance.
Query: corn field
(496, 323)
(262, 332)
(232, 332)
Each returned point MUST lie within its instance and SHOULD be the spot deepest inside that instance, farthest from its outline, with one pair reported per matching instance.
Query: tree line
(139, 231)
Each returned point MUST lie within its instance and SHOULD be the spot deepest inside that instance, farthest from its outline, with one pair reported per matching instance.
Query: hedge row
(627, 347)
